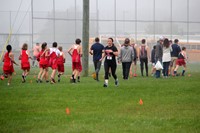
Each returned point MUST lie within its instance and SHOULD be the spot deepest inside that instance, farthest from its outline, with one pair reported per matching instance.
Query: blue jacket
(175, 50)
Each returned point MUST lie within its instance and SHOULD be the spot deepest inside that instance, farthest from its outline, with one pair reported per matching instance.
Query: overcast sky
(125, 10)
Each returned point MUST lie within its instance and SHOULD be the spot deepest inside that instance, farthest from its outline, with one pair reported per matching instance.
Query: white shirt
(57, 51)
(166, 54)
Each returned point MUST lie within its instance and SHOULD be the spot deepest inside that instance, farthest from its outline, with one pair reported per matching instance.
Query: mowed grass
(169, 105)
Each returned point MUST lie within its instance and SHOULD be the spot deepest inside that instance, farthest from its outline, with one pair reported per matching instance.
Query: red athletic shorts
(61, 68)
(180, 62)
(53, 63)
(77, 65)
(10, 71)
(44, 66)
(25, 66)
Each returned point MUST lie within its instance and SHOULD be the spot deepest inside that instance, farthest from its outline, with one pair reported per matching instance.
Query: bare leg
(175, 70)
(9, 78)
(184, 69)
(27, 72)
(47, 75)
(79, 75)
(135, 68)
(23, 76)
(43, 74)
(53, 76)
(76, 72)
(40, 73)
(130, 71)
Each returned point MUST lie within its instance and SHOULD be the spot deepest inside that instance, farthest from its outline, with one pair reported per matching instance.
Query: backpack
(143, 52)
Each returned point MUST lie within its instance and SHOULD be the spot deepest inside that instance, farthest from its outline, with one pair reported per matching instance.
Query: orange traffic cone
(141, 102)
(67, 111)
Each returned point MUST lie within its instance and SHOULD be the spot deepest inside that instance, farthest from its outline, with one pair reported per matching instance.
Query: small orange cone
(67, 111)
(189, 75)
(31, 81)
(15, 73)
(141, 102)
(34, 76)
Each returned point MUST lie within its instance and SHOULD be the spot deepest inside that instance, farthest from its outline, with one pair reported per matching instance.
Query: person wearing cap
(159, 54)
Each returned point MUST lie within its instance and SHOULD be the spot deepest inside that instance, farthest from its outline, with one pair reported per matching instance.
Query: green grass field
(169, 105)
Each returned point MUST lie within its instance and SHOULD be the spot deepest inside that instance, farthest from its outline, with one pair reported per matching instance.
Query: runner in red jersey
(60, 63)
(76, 52)
(8, 60)
(54, 53)
(43, 63)
(25, 64)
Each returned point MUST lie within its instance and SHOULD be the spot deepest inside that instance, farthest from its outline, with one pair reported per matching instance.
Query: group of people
(164, 52)
(47, 57)
(170, 56)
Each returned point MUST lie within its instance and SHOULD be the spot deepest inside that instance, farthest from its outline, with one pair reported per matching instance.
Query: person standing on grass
(181, 61)
(159, 54)
(76, 53)
(153, 61)
(169, 69)
(174, 55)
(96, 50)
(143, 56)
(36, 50)
(61, 61)
(25, 64)
(166, 57)
(134, 63)
(43, 63)
(126, 56)
(8, 60)
(110, 53)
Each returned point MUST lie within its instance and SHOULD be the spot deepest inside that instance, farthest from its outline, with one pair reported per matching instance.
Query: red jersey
(60, 63)
(76, 56)
(54, 53)
(43, 58)
(25, 60)
(8, 64)
(60, 59)
(76, 60)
